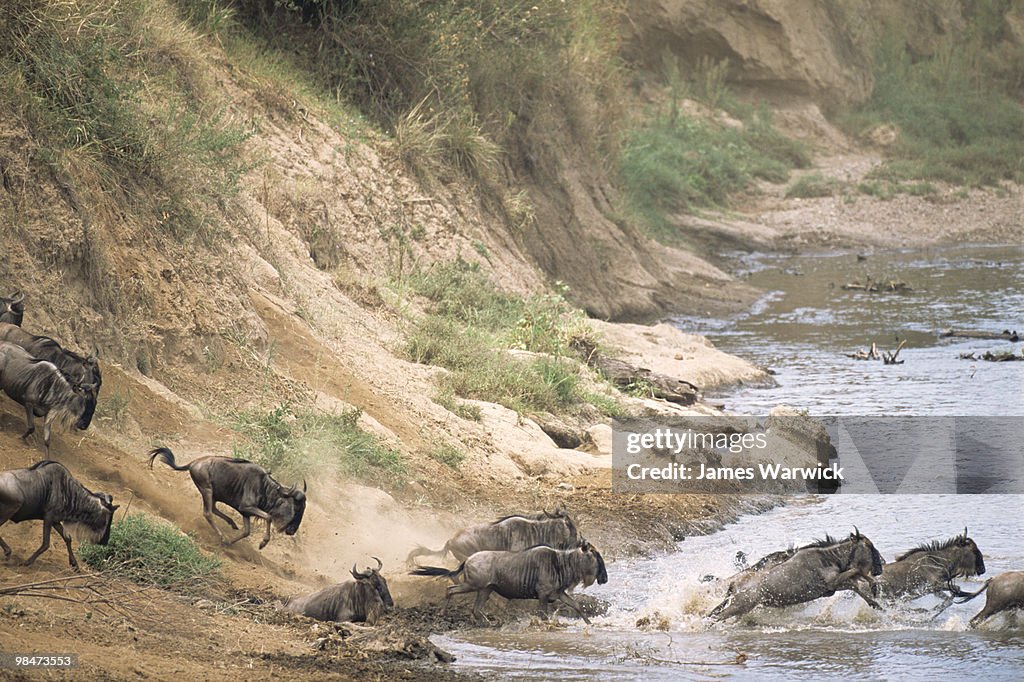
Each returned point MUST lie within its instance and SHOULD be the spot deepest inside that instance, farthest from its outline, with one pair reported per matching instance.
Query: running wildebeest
(509, 534)
(819, 570)
(82, 371)
(931, 568)
(363, 600)
(245, 487)
(47, 492)
(740, 579)
(540, 573)
(1005, 591)
(43, 390)
(12, 310)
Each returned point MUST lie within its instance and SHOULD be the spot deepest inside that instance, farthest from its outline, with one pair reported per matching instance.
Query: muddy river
(802, 330)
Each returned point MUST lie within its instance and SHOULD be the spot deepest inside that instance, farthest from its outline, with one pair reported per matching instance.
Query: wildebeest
(931, 568)
(812, 572)
(82, 371)
(43, 390)
(245, 487)
(510, 534)
(12, 310)
(1005, 591)
(47, 492)
(540, 573)
(740, 579)
(358, 601)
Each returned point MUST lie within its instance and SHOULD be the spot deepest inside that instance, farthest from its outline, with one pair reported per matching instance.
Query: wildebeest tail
(435, 572)
(423, 551)
(968, 596)
(167, 456)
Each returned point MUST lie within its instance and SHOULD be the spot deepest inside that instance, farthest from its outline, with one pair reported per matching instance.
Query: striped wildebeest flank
(362, 600)
(1005, 591)
(48, 492)
(247, 488)
(12, 310)
(931, 568)
(540, 573)
(80, 370)
(44, 391)
(812, 572)
(510, 534)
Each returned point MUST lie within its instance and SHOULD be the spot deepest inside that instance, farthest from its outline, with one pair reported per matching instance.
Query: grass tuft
(151, 552)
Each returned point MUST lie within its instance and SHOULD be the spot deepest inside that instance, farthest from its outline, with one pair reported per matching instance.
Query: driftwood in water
(890, 358)
(630, 377)
(989, 356)
(873, 354)
(1006, 334)
(873, 287)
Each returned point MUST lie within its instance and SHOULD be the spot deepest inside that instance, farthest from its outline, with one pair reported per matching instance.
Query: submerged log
(1006, 334)
(890, 358)
(999, 356)
(873, 354)
(873, 287)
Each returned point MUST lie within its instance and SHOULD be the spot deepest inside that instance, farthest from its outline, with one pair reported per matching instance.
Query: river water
(802, 329)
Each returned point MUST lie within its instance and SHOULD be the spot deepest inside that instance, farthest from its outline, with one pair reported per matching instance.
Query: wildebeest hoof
(263, 544)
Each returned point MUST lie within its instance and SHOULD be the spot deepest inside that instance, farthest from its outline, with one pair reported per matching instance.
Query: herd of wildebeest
(538, 556)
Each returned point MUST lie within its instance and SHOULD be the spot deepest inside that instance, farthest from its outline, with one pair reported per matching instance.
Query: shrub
(152, 552)
(813, 185)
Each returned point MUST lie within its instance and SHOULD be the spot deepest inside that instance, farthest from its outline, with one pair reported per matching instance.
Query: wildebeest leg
(224, 516)
(573, 604)
(718, 609)
(207, 508)
(942, 607)
(67, 541)
(5, 516)
(739, 604)
(5, 548)
(47, 428)
(30, 422)
(42, 548)
(247, 514)
(454, 590)
(983, 615)
(864, 589)
(481, 598)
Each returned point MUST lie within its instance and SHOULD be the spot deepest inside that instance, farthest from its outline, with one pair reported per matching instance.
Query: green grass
(296, 444)
(152, 552)
(446, 454)
(677, 164)
(469, 329)
(958, 110)
(116, 106)
(813, 185)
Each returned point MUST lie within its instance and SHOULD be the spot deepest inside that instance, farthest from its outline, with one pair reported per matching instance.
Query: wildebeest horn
(303, 485)
(290, 492)
(357, 575)
(965, 532)
(856, 533)
(19, 297)
(380, 564)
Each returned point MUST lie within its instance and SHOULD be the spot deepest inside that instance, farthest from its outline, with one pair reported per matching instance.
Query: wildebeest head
(373, 577)
(94, 526)
(12, 309)
(86, 404)
(288, 510)
(971, 560)
(598, 572)
(863, 553)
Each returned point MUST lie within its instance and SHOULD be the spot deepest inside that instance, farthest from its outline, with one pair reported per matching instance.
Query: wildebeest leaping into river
(540, 573)
(812, 572)
(245, 487)
(931, 569)
(1005, 591)
(43, 390)
(47, 492)
(511, 534)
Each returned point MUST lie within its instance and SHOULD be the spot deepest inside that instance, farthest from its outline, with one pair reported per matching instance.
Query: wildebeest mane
(933, 546)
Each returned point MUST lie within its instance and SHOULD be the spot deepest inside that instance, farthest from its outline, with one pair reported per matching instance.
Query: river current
(802, 329)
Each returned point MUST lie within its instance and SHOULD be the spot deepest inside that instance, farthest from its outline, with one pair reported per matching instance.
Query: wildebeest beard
(88, 527)
(297, 506)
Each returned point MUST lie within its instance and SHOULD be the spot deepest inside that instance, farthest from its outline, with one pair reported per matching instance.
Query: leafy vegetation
(446, 454)
(110, 95)
(152, 552)
(295, 444)
(957, 110)
(813, 185)
(672, 164)
(470, 328)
